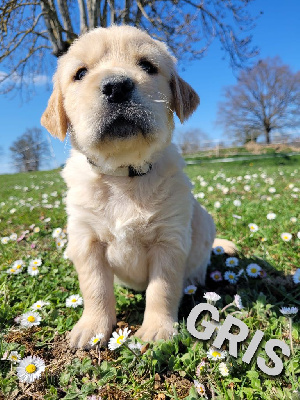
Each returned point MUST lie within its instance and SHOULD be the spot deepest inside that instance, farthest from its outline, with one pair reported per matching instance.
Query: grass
(164, 370)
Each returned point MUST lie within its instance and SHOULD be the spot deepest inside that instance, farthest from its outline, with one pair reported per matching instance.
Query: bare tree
(265, 99)
(191, 140)
(30, 29)
(29, 150)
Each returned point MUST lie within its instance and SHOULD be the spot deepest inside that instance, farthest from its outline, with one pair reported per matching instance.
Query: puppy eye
(80, 74)
(148, 67)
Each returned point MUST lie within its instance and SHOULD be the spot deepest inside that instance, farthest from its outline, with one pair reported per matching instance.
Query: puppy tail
(228, 246)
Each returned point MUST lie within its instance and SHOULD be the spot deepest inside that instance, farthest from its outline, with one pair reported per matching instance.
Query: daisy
(293, 219)
(216, 276)
(211, 296)
(218, 250)
(60, 243)
(13, 236)
(36, 229)
(18, 264)
(5, 240)
(118, 339)
(237, 203)
(33, 271)
(135, 346)
(247, 188)
(296, 276)
(31, 318)
(74, 301)
(39, 304)
(230, 277)
(224, 371)
(30, 369)
(217, 204)
(232, 262)
(65, 255)
(253, 270)
(298, 235)
(286, 237)
(191, 289)
(200, 369)
(216, 354)
(289, 311)
(272, 190)
(14, 357)
(12, 211)
(200, 388)
(57, 232)
(96, 339)
(236, 216)
(271, 216)
(35, 263)
(13, 271)
(253, 227)
(238, 301)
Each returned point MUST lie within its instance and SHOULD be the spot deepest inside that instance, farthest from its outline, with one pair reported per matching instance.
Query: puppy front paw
(151, 332)
(87, 327)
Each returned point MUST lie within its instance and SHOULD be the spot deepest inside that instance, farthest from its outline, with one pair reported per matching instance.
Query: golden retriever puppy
(131, 213)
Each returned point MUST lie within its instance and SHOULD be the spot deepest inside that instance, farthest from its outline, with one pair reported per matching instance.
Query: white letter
(271, 353)
(191, 321)
(257, 338)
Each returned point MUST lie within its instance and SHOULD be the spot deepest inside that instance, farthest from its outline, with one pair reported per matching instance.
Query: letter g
(191, 321)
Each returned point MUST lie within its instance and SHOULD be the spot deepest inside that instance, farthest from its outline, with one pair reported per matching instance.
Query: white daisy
(135, 346)
(232, 262)
(33, 271)
(289, 311)
(253, 227)
(217, 204)
(96, 339)
(14, 357)
(30, 369)
(253, 270)
(247, 188)
(216, 276)
(57, 232)
(296, 276)
(293, 219)
(35, 262)
(12, 211)
(298, 235)
(272, 190)
(211, 296)
(13, 271)
(118, 339)
(191, 289)
(286, 237)
(39, 304)
(13, 236)
(271, 216)
(224, 371)
(216, 354)
(238, 301)
(36, 229)
(31, 318)
(230, 277)
(218, 250)
(200, 368)
(60, 243)
(65, 255)
(5, 240)
(200, 388)
(74, 301)
(237, 203)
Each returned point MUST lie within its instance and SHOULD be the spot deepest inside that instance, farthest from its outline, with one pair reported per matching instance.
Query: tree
(190, 140)
(265, 99)
(29, 150)
(30, 29)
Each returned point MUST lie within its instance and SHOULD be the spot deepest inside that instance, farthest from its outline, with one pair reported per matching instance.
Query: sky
(277, 33)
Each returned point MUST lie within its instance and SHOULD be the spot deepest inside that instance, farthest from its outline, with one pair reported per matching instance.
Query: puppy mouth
(123, 122)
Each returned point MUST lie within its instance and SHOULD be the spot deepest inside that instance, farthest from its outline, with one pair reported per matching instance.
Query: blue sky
(277, 32)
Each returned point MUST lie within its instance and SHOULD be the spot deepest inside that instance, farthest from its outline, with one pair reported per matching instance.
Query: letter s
(271, 353)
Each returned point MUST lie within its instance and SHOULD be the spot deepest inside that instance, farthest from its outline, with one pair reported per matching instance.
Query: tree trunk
(267, 134)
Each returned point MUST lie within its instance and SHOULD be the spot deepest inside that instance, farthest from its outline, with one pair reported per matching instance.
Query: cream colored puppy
(131, 214)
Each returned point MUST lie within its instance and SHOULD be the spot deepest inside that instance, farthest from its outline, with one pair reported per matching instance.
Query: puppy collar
(129, 171)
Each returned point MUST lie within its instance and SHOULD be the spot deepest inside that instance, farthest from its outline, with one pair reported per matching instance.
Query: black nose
(117, 89)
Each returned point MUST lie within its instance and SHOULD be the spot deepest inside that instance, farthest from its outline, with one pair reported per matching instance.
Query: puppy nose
(117, 89)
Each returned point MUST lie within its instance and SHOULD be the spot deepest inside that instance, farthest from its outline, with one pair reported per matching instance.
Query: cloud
(17, 79)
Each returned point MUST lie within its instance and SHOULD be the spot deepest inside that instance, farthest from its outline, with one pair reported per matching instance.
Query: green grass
(165, 370)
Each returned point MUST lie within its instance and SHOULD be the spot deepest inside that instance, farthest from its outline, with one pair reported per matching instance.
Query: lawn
(255, 204)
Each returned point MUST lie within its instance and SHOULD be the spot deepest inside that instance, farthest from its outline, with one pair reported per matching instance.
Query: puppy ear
(185, 99)
(54, 118)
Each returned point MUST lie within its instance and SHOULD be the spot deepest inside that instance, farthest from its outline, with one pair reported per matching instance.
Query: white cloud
(38, 79)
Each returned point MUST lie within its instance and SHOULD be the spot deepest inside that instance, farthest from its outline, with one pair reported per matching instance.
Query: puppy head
(115, 91)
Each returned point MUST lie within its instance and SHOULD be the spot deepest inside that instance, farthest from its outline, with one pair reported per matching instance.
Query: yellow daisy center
(38, 306)
(231, 276)
(34, 268)
(217, 276)
(58, 243)
(12, 270)
(119, 339)
(14, 358)
(73, 300)
(18, 266)
(31, 368)
(253, 270)
(191, 291)
(35, 262)
(285, 237)
(95, 340)
(216, 354)
(31, 318)
(231, 262)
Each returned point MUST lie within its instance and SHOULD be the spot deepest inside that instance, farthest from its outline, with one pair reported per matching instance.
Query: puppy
(131, 214)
